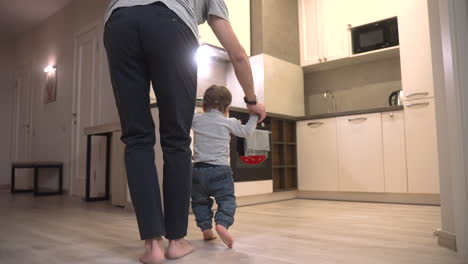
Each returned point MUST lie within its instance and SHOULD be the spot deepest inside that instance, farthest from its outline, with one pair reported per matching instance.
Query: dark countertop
(320, 116)
(356, 112)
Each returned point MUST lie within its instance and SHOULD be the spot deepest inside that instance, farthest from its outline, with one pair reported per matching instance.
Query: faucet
(327, 94)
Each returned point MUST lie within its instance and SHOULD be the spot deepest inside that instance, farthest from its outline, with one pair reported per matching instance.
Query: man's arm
(240, 61)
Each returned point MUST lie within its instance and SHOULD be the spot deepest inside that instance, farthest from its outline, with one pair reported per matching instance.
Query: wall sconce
(50, 69)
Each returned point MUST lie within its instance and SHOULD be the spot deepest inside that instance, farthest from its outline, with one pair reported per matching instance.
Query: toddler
(212, 175)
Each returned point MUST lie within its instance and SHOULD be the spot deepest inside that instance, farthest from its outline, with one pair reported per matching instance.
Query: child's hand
(258, 109)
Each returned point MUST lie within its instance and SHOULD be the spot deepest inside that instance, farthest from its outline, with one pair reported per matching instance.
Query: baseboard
(399, 198)
(446, 239)
(265, 198)
(4, 186)
(251, 199)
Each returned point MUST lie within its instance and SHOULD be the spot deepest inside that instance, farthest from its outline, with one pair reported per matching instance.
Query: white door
(360, 155)
(317, 157)
(23, 129)
(86, 93)
(310, 31)
(421, 147)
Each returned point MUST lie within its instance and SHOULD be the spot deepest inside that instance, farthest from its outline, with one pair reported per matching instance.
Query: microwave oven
(374, 36)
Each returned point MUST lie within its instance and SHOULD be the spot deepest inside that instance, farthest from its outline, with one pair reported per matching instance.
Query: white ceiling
(17, 16)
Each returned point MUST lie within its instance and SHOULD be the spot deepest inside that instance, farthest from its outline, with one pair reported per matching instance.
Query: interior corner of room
(352, 115)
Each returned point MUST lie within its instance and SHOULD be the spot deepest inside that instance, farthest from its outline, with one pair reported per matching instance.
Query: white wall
(7, 83)
(52, 42)
(359, 86)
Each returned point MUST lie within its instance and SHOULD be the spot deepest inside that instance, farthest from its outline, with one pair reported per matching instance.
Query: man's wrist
(250, 100)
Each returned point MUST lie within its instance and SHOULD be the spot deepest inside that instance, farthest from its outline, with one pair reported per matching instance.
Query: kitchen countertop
(320, 116)
(355, 112)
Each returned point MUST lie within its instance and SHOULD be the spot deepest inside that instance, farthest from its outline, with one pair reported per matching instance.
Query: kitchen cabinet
(324, 34)
(360, 149)
(278, 84)
(360, 12)
(394, 152)
(239, 17)
(317, 156)
(421, 147)
(415, 50)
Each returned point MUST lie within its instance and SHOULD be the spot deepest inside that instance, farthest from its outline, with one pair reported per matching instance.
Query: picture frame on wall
(50, 89)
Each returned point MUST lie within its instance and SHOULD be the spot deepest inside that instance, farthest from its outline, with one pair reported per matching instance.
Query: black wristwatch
(254, 102)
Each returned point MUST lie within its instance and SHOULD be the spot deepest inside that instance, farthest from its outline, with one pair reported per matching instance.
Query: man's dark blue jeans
(144, 44)
(213, 181)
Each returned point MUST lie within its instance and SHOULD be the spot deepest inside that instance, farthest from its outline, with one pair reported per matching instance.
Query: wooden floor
(66, 230)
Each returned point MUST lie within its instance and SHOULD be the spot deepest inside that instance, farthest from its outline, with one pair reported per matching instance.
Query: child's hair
(217, 97)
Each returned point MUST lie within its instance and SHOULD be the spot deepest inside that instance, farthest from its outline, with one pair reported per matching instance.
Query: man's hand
(258, 109)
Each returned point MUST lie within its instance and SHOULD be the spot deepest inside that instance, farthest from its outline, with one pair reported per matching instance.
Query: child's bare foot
(225, 236)
(209, 235)
(154, 251)
(178, 249)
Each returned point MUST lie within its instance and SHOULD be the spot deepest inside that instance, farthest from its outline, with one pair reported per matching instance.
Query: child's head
(217, 97)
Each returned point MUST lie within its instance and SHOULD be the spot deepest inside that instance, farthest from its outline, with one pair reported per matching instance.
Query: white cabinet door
(360, 166)
(360, 12)
(421, 147)
(415, 50)
(335, 31)
(394, 150)
(239, 17)
(310, 31)
(317, 156)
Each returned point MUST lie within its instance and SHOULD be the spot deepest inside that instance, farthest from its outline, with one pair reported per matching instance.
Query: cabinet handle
(325, 59)
(320, 59)
(315, 123)
(417, 104)
(418, 94)
(358, 119)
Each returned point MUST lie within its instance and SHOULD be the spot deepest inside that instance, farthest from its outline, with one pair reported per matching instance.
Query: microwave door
(370, 39)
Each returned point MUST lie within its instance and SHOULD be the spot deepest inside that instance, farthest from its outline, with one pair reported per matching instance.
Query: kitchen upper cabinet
(421, 147)
(360, 12)
(317, 155)
(239, 17)
(278, 84)
(310, 31)
(335, 33)
(394, 152)
(323, 32)
(415, 50)
(360, 149)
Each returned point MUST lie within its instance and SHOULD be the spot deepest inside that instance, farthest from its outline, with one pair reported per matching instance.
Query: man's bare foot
(178, 249)
(154, 251)
(225, 236)
(209, 235)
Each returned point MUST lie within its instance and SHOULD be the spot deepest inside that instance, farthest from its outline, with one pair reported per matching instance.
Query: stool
(36, 166)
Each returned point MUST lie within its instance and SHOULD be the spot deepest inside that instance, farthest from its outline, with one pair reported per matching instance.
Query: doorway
(87, 72)
(23, 128)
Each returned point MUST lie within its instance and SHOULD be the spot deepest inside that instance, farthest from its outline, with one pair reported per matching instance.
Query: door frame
(96, 25)
(452, 123)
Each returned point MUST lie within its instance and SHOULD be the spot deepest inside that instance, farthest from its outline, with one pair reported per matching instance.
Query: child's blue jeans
(213, 181)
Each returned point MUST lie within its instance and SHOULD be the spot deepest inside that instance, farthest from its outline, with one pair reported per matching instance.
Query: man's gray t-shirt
(192, 12)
